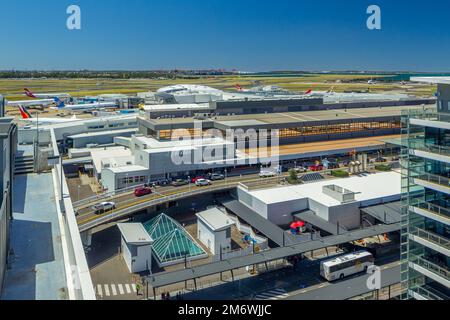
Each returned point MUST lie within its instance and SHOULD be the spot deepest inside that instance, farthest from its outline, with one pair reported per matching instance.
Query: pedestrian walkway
(113, 289)
(276, 294)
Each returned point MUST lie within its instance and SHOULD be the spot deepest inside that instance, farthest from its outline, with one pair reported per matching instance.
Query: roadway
(128, 203)
(347, 289)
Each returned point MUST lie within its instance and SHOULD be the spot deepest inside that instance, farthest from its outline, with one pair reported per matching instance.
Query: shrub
(340, 173)
(293, 178)
(382, 167)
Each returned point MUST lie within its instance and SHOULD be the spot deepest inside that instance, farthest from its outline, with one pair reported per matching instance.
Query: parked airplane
(29, 103)
(26, 116)
(83, 107)
(30, 94)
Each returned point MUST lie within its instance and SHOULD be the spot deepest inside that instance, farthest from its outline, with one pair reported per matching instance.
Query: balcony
(430, 240)
(432, 120)
(432, 181)
(419, 148)
(427, 293)
(431, 211)
(430, 269)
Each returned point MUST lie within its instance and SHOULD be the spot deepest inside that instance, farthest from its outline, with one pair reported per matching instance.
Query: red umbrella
(297, 224)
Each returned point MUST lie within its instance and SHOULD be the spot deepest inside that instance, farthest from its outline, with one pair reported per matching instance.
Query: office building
(425, 240)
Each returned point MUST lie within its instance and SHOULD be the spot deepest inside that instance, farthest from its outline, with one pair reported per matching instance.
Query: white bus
(346, 265)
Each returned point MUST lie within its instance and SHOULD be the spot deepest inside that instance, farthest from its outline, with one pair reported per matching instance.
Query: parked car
(378, 160)
(202, 182)
(142, 191)
(300, 169)
(216, 176)
(104, 207)
(317, 167)
(333, 165)
(267, 174)
(180, 182)
(194, 180)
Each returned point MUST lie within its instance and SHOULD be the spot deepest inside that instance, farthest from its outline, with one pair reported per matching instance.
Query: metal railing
(429, 293)
(421, 145)
(106, 195)
(430, 236)
(432, 178)
(134, 207)
(433, 208)
(430, 266)
(429, 115)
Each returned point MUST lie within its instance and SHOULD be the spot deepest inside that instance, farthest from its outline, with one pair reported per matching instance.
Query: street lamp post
(189, 179)
(79, 192)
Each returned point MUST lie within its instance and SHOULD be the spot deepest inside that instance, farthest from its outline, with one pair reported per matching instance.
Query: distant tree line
(88, 74)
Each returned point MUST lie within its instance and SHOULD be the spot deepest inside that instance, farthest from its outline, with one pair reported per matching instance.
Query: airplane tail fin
(24, 113)
(238, 87)
(28, 93)
(308, 92)
(59, 103)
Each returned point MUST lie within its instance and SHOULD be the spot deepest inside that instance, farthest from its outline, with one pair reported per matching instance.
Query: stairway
(24, 165)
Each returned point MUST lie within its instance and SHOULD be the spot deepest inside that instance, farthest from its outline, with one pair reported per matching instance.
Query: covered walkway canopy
(270, 230)
(168, 278)
(310, 216)
(388, 213)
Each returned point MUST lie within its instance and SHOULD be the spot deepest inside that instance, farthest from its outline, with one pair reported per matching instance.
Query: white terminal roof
(153, 145)
(100, 154)
(135, 233)
(175, 107)
(215, 219)
(128, 169)
(433, 80)
(370, 187)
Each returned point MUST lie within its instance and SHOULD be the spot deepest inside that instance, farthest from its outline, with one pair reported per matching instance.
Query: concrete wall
(126, 254)
(214, 241)
(8, 149)
(347, 215)
(281, 213)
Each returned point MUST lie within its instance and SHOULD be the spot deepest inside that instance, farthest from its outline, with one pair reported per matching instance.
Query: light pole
(226, 174)
(189, 179)
(79, 192)
(126, 181)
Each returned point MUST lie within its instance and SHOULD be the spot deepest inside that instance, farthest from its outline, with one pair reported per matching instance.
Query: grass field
(13, 89)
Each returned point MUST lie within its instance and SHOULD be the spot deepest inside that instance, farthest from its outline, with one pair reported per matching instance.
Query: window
(228, 233)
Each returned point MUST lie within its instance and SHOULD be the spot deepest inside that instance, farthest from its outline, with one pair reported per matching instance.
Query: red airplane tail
(24, 113)
(29, 94)
(238, 87)
(308, 92)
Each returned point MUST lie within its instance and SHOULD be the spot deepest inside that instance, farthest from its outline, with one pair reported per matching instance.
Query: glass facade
(172, 244)
(425, 238)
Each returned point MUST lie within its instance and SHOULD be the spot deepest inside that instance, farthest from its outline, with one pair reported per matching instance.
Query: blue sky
(249, 35)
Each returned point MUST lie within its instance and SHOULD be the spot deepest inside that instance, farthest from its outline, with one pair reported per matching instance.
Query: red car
(194, 180)
(142, 191)
(318, 167)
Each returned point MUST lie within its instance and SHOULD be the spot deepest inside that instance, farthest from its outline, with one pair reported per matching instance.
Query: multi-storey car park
(425, 247)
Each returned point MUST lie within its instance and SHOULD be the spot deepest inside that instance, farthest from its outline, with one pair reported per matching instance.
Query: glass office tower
(425, 240)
